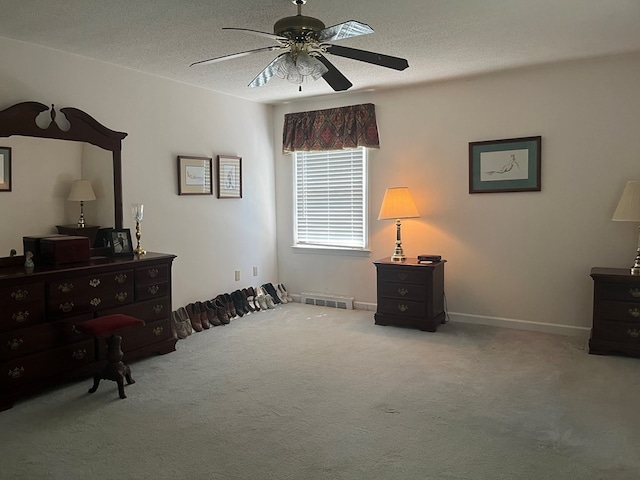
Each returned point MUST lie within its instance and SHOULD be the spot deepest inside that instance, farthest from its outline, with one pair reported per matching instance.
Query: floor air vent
(327, 300)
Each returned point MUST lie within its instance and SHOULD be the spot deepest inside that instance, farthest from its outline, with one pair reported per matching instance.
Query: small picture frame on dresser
(121, 242)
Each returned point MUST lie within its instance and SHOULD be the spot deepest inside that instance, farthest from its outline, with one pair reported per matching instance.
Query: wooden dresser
(39, 344)
(616, 312)
(410, 294)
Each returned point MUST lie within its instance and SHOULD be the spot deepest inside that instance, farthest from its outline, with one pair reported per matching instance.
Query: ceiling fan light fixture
(295, 71)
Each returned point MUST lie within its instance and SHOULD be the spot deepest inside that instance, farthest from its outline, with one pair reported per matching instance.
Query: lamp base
(398, 258)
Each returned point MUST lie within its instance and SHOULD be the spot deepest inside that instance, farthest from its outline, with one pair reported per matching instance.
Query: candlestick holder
(138, 211)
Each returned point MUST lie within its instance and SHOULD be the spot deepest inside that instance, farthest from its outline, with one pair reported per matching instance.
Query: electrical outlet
(237, 275)
(255, 271)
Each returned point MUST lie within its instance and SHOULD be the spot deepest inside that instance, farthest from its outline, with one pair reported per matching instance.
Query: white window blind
(330, 198)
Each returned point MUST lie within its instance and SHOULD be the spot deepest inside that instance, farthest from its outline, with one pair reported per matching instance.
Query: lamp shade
(398, 203)
(628, 209)
(81, 191)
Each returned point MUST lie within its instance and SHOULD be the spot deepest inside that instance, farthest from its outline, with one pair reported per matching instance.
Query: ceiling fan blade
(369, 57)
(237, 55)
(333, 77)
(265, 75)
(352, 28)
(257, 32)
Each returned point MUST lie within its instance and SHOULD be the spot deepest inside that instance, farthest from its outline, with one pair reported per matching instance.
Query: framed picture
(194, 176)
(510, 165)
(121, 241)
(5, 169)
(229, 170)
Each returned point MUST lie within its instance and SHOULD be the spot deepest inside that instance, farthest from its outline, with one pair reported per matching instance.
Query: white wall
(511, 257)
(211, 237)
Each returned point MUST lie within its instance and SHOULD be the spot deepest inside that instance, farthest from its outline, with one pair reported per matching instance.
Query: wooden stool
(115, 369)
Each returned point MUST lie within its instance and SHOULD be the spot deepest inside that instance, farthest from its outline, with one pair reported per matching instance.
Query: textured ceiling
(441, 39)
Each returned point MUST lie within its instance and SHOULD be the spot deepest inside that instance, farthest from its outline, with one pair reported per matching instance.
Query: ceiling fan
(303, 40)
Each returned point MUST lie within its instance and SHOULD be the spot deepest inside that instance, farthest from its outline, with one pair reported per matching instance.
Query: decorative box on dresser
(40, 345)
(616, 312)
(410, 294)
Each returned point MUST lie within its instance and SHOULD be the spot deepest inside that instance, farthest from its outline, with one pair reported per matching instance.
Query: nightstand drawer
(402, 275)
(620, 292)
(620, 311)
(402, 291)
(628, 333)
(401, 307)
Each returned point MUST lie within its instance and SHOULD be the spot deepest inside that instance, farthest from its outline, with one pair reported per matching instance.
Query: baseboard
(558, 329)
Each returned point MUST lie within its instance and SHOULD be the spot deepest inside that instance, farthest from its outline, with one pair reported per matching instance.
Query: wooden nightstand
(616, 312)
(410, 294)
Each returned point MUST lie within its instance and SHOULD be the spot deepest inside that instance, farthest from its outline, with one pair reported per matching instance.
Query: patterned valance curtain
(331, 129)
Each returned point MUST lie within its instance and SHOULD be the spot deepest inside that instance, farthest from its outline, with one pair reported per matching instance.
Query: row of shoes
(223, 308)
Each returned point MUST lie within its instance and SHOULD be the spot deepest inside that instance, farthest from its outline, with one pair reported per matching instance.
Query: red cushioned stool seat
(115, 369)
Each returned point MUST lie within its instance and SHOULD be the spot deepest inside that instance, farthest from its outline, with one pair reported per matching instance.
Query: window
(330, 201)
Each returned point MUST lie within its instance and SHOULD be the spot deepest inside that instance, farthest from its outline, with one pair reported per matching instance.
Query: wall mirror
(50, 150)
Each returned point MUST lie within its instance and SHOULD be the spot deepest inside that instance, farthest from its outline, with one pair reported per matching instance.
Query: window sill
(353, 252)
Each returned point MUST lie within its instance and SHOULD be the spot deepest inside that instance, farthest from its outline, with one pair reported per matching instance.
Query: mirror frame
(20, 119)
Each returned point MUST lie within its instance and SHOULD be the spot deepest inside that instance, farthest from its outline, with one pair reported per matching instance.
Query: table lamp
(628, 210)
(398, 203)
(81, 191)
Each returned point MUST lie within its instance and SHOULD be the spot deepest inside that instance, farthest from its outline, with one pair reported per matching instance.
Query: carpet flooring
(305, 392)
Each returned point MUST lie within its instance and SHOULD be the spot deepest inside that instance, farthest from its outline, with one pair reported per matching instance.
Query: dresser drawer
(620, 311)
(22, 314)
(138, 336)
(149, 310)
(151, 275)
(78, 295)
(402, 291)
(25, 341)
(46, 364)
(620, 292)
(152, 290)
(400, 307)
(402, 275)
(23, 294)
(624, 332)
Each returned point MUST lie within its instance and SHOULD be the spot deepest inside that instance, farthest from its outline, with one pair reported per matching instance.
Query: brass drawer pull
(65, 287)
(94, 282)
(153, 289)
(16, 372)
(20, 316)
(633, 333)
(121, 296)
(634, 292)
(158, 308)
(15, 344)
(157, 331)
(402, 307)
(74, 329)
(79, 354)
(95, 302)
(19, 294)
(153, 272)
(66, 307)
(120, 278)
(634, 312)
(403, 291)
(403, 275)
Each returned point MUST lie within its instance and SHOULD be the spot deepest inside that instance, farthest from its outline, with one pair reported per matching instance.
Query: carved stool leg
(96, 382)
(127, 375)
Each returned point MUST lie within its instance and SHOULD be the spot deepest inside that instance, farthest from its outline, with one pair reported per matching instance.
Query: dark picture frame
(194, 175)
(229, 176)
(508, 165)
(5, 169)
(121, 244)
